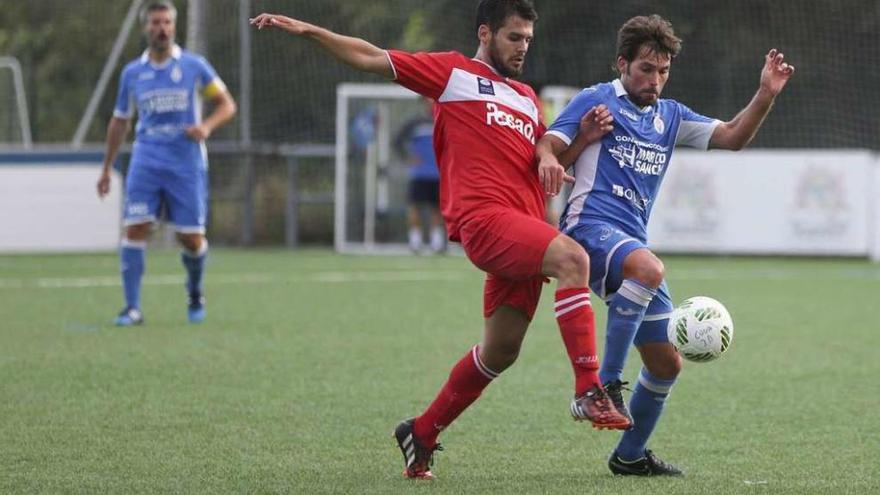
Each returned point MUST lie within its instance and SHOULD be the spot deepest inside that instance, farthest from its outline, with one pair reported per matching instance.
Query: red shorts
(510, 247)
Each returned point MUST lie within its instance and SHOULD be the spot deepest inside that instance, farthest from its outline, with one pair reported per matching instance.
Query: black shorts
(424, 191)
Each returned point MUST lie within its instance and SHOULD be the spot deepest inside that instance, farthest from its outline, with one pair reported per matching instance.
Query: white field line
(331, 277)
(252, 278)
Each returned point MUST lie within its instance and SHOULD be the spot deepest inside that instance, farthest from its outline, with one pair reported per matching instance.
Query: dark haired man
(486, 126)
(169, 162)
(617, 179)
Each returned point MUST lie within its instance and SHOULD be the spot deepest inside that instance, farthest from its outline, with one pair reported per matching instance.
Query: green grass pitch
(309, 359)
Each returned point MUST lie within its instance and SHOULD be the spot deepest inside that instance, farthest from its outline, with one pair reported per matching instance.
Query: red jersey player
(486, 126)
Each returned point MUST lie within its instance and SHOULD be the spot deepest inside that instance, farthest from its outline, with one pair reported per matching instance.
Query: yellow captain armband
(214, 88)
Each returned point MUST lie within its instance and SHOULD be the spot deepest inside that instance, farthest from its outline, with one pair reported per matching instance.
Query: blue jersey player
(615, 183)
(165, 87)
(416, 142)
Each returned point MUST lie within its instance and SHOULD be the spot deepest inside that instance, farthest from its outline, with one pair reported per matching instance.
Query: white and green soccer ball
(701, 329)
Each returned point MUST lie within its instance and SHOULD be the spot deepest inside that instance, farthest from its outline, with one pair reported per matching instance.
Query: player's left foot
(649, 465)
(614, 389)
(195, 312)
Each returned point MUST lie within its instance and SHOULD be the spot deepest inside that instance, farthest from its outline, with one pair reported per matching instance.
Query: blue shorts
(183, 190)
(607, 247)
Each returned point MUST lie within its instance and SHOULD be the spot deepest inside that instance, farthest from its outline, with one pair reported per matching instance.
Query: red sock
(466, 382)
(578, 328)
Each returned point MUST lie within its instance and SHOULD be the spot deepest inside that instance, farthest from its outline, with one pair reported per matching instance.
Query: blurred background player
(486, 127)
(617, 180)
(169, 164)
(415, 142)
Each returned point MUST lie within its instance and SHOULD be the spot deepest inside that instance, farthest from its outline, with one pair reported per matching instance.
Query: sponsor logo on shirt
(164, 100)
(485, 86)
(626, 113)
(498, 116)
(644, 158)
(146, 76)
(632, 196)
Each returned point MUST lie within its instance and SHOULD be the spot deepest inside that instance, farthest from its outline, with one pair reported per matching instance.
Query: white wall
(769, 202)
(45, 207)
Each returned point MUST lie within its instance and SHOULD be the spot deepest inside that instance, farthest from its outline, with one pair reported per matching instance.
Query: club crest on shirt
(659, 125)
(485, 86)
(177, 74)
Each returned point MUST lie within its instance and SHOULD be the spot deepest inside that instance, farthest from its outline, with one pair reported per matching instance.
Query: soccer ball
(701, 329)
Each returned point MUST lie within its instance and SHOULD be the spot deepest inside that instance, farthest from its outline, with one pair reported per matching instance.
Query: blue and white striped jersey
(618, 177)
(167, 99)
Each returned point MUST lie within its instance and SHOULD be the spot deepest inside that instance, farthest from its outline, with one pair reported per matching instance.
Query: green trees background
(832, 102)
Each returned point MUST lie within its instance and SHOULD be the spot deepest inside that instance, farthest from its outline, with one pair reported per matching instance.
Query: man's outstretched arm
(358, 53)
(739, 132)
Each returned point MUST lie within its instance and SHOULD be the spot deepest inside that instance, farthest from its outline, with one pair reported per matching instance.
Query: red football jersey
(485, 129)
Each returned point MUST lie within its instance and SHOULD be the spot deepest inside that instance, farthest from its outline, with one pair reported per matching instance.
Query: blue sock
(131, 258)
(625, 314)
(195, 267)
(645, 406)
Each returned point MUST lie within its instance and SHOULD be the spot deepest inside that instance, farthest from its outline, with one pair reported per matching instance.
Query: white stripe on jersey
(586, 167)
(463, 86)
(561, 135)
(695, 134)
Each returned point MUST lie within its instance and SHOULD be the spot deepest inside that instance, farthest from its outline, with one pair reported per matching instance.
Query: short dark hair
(493, 13)
(156, 5)
(653, 32)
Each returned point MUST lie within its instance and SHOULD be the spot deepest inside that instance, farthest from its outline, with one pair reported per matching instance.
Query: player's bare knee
(500, 356)
(138, 232)
(666, 367)
(190, 242)
(656, 273)
(580, 262)
(570, 263)
(651, 273)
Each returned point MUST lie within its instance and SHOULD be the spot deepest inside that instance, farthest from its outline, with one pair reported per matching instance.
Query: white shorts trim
(189, 229)
(138, 220)
(657, 317)
(605, 295)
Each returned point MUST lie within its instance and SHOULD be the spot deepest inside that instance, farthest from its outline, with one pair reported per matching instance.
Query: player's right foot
(417, 457)
(614, 389)
(596, 407)
(129, 317)
(195, 312)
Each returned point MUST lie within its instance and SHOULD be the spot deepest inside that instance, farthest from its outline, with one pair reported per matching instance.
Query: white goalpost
(14, 90)
(370, 190)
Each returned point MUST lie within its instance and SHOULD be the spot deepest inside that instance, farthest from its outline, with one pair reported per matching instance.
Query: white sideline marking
(331, 277)
(255, 278)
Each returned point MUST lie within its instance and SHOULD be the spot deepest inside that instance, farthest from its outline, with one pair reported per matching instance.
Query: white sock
(415, 238)
(438, 242)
